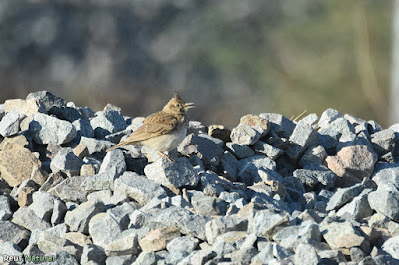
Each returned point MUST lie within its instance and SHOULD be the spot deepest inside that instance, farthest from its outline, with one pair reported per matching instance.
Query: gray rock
(386, 202)
(343, 195)
(107, 122)
(101, 181)
(49, 100)
(146, 258)
(182, 219)
(328, 139)
(67, 162)
(115, 158)
(78, 219)
(10, 253)
(373, 127)
(83, 128)
(357, 255)
(228, 243)
(205, 205)
(279, 124)
(86, 112)
(92, 254)
(203, 146)
(386, 174)
(306, 254)
(198, 257)
(265, 255)
(311, 119)
(308, 200)
(50, 130)
(9, 124)
(329, 116)
(302, 137)
(2, 111)
(5, 210)
(127, 243)
(391, 246)
(69, 190)
(272, 152)
(313, 156)
(63, 257)
(59, 211)
(49, 242)
(221, 225)
(27, 218)
(185, 243)
(267, 222)
(120, 260)
(244, 134)
(291, 236)
(333, 232)
(43, 205)
(240, 151)
(342, 126)
(138, 188)
(177, 174)
(121, 214)
(230, 166)
(249, 167)
(244, 256)
(9, 231)
(357, 209)
(316, 179)
(96, 146)
(383, 141)
(65, 113)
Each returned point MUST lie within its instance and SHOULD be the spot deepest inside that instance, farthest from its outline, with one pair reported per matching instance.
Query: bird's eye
(177, 105)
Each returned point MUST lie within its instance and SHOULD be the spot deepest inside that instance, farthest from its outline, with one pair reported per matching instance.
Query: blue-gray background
(231, 57)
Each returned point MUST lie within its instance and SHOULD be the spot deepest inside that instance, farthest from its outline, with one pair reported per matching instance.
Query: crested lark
(164, 130)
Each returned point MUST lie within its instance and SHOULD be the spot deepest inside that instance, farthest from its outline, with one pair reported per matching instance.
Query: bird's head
(177, 106)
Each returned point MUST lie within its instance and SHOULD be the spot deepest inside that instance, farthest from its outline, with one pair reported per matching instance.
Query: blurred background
(230, 57)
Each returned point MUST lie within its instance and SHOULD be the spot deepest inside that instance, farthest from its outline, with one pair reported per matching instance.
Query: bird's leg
(162, 154)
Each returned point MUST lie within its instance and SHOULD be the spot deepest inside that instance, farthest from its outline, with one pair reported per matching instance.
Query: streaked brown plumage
(164, 130)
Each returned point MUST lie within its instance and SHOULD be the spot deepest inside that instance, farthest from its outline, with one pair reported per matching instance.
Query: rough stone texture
(267, 149)
(103, 229)
(96, 146)
(313, 156)
(306, 254)
(220, 132)
(240, 151)
(67, 162)
(27, 218)
(48, 99)
(279, 124)
(17, 165)
(5, 211)
(50, 130)
(138, 188)
(126, 245)
(302, 137)
(107, 122)
(9, 124)
(357, 209)
(43, 205)
(248, 171)
(203, 146)
(244, 134)
(81, 151)
(342, 196)
(315, 179)
(385, 202)
(78, 219)
(329, 116)
(222, 225)
(383, 141)
(352, 164)
(158, 239)
(172, 174)
(335, 232)
(65, 113)
(101, 181)
(230, 166)
(268, 222)
(391, 246)
(24, 107)
(185, 243)
(116, 159)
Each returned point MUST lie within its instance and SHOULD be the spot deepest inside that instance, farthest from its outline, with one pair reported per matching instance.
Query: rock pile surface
(270, 191)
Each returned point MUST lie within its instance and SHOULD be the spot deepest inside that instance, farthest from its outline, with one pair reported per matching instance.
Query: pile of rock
(272, 191)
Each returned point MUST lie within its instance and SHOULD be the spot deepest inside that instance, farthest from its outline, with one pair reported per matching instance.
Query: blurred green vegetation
(231, 57)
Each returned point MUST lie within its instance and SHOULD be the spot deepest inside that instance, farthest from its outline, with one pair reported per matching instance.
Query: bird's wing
(154, 125)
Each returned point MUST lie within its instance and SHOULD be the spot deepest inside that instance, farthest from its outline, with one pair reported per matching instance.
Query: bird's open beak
(189, 105)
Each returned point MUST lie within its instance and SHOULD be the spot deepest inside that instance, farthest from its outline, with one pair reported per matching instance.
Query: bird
(164, 130)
